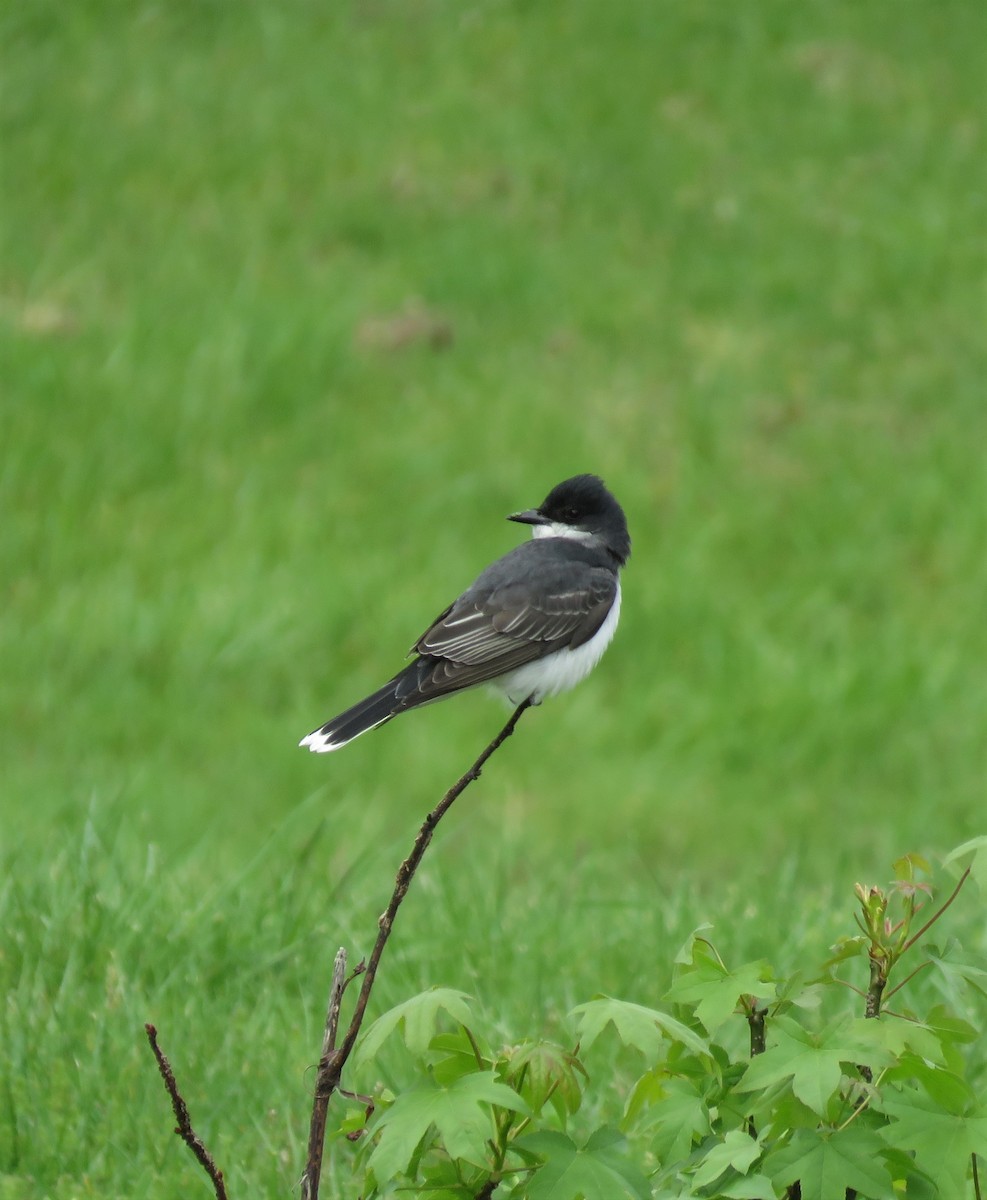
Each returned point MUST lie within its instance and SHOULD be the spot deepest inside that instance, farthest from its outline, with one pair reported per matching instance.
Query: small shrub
(749, 1083)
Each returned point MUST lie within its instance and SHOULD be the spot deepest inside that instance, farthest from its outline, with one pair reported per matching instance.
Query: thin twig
(862, 1102)
(320, 1103)
(184, 1128)
(853, 988)
(936, 915)
(907, 979)
(471, 1038)
(331, 1066)
(338, 986)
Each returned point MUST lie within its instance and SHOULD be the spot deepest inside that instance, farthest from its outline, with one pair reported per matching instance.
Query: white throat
(557, 529)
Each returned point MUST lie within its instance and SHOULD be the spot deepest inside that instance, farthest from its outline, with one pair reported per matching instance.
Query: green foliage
(459, 1112)
(881, 1106)
(417, 1019)
(644, 1028)
(827, 1163)
(570, 1172)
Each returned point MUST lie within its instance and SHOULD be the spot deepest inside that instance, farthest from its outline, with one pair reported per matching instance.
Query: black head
(584, 509)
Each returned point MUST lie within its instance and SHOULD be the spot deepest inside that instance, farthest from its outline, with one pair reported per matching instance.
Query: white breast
(562, 670)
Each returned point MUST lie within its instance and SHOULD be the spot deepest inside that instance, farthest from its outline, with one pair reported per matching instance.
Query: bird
(533, 624)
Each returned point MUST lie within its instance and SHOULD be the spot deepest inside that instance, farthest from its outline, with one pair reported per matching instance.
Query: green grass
(730, 260)
(233, 970)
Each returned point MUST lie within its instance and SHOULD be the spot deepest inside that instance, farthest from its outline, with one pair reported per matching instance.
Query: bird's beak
(530, 516)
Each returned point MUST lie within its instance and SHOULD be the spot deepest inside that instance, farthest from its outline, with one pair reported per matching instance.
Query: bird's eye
(571, 514)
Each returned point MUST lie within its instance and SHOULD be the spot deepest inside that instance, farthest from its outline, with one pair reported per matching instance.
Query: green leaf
(600, 1169)
(815, 1071)
(644, 1028)
(846, 947)
(901, 1036)
(972, 854)
(795, 990)
(950, 1028)
(649, 1089)
(687, 951)
(879, 1043)
(956, 970)
(952, 1032)
(941, 1142)
(419, 1016)
(459, 1112)
(459, 1056)
(752, 1187)
(675, 1108)
(826, 1166)
(813, 1062)
(909, 1180)
(775, 1113)
(447, 1179)
(737, 1150)
(946, 1089)
(906, 866)
(545, 1070)
(715, 991)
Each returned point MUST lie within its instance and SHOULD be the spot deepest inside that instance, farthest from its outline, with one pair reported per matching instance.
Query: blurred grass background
(298, 300)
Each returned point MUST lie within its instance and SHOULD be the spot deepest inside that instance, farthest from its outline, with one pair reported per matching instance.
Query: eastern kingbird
(533, 625)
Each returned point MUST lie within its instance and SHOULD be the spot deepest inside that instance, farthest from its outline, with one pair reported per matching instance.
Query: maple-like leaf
(420, 1017)
(598, 1169)
(674, 1109)
(941, 1142)
(715, 991)
(972, 854)
(738, 1150)
(459, 1111)
(826, 1165)
(813, 1061)
(644, 1028)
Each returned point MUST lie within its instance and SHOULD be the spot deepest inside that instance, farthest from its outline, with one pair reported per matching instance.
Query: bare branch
(320, 1104)
(339, 982)
(184, 1128)
(332, 1062)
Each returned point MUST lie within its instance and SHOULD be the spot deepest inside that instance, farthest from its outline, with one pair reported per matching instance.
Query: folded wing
(496, 627)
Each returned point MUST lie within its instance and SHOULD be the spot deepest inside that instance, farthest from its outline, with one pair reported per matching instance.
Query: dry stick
(184, 1128)
(320, 1105)
(333, 1059)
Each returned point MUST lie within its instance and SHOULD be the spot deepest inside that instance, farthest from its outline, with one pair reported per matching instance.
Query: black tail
(398, 694)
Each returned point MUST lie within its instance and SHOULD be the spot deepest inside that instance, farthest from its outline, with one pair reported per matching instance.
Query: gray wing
(500, 624)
